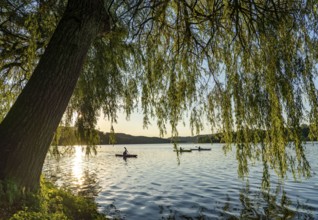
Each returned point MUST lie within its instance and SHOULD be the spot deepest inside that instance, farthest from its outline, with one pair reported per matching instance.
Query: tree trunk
(27, 130)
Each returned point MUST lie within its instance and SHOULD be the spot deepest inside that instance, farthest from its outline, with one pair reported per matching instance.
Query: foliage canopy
(242, 66)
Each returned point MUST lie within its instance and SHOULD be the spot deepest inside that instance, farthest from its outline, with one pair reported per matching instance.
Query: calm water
(197, 185)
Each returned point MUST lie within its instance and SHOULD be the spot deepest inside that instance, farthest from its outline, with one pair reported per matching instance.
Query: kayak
(181, 151)
(128, 155)
(199, 149)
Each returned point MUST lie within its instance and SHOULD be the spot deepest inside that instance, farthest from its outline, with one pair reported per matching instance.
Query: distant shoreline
(68, 136)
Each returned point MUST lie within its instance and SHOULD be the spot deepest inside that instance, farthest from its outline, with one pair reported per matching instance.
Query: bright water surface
(197, 185)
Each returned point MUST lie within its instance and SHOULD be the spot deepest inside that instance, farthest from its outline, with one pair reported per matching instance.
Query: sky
(135, 127)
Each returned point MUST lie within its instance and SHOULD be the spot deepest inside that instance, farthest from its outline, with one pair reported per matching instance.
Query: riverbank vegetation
(48, 203)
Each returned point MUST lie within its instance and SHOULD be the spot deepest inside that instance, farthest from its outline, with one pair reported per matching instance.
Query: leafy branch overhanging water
(231, 65)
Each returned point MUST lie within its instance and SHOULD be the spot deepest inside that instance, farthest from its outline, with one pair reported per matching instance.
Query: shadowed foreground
(48, 203)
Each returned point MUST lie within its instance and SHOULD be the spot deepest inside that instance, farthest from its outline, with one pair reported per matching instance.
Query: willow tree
(243, 67)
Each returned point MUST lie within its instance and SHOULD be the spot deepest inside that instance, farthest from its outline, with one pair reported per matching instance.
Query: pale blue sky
(134, 126)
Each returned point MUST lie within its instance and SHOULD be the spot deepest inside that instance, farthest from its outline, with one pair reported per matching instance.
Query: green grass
(50, 203)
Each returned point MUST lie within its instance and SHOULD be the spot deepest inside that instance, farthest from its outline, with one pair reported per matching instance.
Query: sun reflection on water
(77, 165)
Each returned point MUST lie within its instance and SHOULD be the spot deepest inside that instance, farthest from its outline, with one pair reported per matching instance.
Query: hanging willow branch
(246, 69)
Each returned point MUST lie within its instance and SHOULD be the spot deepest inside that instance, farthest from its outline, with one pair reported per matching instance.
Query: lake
(197, 185)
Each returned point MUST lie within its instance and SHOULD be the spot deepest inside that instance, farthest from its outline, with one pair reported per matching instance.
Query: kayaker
(199, 148)
(125, 152)
(181, 149)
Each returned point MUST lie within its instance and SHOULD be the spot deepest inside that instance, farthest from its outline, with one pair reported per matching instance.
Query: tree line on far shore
(218, 137)
(71, 136)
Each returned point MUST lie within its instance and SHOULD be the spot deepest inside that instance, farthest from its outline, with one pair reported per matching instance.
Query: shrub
(49, 203)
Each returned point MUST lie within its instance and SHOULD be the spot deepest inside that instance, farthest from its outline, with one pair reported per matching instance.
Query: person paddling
(125, 152)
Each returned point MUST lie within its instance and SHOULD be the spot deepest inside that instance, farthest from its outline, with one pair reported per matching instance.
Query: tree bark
(27, 130)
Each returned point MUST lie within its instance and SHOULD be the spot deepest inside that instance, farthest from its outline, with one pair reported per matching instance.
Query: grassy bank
(49, 203)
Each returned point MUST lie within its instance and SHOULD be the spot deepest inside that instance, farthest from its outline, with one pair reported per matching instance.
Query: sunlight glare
(78, 165)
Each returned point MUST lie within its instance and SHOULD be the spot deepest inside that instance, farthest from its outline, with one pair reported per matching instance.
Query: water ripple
(204, 185)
